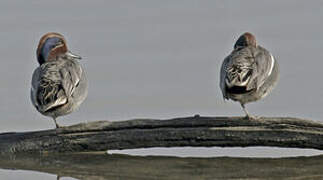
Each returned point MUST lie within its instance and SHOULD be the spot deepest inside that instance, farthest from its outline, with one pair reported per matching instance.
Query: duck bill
(74, 56)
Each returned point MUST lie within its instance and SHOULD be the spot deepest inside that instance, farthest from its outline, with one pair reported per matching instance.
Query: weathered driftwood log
(187, 131)
(99, 167)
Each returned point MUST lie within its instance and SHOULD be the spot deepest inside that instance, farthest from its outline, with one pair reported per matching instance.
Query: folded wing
(245, 70)
(53, 84)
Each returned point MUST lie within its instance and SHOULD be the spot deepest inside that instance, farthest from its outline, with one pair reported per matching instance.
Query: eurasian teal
(59, 84)
(249, 73)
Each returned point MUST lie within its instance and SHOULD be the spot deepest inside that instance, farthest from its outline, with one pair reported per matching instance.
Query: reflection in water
(102, 166)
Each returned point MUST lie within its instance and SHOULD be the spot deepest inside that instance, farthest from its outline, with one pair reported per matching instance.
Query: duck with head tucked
(249, 73)
(59, 84)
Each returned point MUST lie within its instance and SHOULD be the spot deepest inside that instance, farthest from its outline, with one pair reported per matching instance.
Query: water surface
(102, 166)
(161, 59)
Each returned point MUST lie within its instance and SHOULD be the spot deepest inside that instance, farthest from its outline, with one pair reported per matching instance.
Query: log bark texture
(178, 132)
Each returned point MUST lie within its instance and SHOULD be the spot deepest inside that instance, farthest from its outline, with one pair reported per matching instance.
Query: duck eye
(60, 42)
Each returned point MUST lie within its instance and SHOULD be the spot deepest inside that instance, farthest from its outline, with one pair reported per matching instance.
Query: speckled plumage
(249, 73)
(59, 84)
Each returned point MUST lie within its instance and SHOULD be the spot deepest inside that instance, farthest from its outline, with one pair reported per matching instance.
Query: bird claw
(250, 117)
(59, 126)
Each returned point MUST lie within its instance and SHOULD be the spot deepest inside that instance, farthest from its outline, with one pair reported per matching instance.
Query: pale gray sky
(161, 59)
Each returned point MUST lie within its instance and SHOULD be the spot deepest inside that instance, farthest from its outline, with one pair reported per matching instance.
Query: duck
(59, 84)
(249, 73)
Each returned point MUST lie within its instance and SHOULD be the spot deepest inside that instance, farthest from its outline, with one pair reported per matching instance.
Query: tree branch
(178, 132)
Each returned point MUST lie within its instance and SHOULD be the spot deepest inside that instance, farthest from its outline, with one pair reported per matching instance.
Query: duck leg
(248, 116)
(57, 125)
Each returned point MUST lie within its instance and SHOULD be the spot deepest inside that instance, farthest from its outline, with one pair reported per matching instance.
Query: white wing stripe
(272, 64)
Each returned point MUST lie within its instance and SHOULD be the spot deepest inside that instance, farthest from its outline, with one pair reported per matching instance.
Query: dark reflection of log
(99, 167)
(179, 132)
